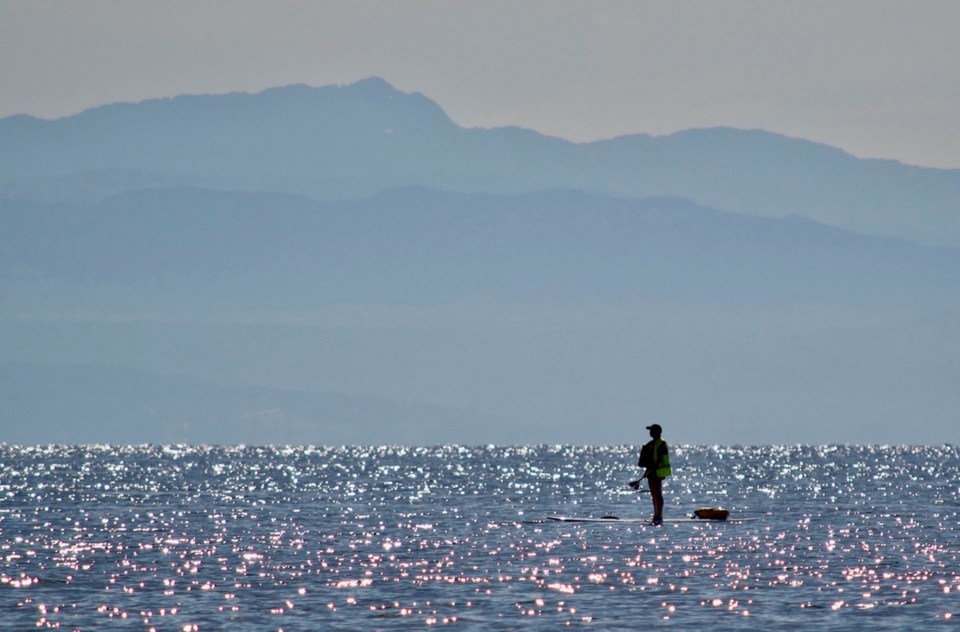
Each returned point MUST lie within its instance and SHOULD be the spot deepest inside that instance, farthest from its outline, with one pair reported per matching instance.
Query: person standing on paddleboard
(655, 459)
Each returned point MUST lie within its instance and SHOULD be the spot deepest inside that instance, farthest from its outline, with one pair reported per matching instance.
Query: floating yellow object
(711, 513)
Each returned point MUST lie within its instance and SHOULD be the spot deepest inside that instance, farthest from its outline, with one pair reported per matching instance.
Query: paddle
(636, 484)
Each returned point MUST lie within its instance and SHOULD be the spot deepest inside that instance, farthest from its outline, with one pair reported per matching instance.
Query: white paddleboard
(614, 519)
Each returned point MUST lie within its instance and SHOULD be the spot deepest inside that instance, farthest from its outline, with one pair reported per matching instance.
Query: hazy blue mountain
(549, 317)
(709, 377)
(364, 138)
(120, 405)
(419, 246)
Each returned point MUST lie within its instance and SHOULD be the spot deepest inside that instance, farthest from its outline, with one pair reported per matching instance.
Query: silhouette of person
(655, 459)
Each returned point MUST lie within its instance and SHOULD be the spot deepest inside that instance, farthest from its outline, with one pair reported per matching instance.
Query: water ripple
(300, 538)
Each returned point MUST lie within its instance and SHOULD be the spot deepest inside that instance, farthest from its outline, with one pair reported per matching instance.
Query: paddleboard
(646, 521)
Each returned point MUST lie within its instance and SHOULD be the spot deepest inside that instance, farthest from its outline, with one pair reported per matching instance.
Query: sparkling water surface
(219, 538)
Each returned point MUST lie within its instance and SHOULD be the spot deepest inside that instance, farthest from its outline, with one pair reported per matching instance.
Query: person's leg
(656, 494)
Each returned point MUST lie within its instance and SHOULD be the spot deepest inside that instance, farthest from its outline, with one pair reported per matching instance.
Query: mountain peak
(373, 85)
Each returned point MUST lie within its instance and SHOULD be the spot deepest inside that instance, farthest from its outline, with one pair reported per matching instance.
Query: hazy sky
(877, 78)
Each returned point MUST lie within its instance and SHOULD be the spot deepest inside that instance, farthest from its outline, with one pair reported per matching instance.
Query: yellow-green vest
(661, 461)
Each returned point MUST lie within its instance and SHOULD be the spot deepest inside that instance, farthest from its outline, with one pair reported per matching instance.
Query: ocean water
(221, 538)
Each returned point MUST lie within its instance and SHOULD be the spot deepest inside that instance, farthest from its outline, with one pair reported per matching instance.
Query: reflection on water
(195, 538)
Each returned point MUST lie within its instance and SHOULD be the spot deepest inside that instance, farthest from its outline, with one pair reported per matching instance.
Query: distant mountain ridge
(557, 316)
(367, 137)
(420, 245)
(173, 409)
(347, 264)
